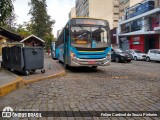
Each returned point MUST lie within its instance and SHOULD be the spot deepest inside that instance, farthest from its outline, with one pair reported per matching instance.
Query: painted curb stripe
(5, 89)
(20, 82)
(44, 78)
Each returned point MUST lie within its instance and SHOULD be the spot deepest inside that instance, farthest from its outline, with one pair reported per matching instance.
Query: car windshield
(158, 51)
(118, 50)
(90, 36)
(137, 51)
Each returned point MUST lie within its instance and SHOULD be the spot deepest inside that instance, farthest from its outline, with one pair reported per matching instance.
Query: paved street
(131, 86)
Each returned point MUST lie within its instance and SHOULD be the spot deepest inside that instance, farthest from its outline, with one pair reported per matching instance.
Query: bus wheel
(66, 66)
(94, 66)
(59, 60)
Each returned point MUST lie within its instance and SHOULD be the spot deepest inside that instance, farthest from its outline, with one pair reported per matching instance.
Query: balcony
(149, 13)
(116, 3)
(116, 17)
(139, 9)
(116, 10)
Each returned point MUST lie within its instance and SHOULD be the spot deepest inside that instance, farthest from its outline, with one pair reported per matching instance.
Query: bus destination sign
(90, 22)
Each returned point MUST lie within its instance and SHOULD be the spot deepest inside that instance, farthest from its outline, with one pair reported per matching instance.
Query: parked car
(136, 54)
(118, 55)
(153, 54)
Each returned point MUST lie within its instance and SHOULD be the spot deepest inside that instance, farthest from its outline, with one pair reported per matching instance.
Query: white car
(136, 54)
(153, 54)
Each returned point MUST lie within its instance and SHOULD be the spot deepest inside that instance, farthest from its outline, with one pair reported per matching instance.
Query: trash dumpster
(27, 59)
(17, 58)
(33, 59)
(6, 57)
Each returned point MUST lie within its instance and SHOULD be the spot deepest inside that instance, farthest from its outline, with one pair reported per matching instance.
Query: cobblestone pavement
(131, 86)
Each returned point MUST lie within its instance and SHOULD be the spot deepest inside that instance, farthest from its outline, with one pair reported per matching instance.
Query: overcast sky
(57, 9)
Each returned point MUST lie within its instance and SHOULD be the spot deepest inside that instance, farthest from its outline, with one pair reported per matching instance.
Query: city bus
(53, 50)
(84, 42)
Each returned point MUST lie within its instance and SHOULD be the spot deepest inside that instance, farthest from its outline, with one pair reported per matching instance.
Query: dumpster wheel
(26, 73)
(33, 70)
(43, 71)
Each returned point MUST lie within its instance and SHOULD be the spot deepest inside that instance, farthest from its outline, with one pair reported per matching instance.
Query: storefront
(144, 42)
(124, 43)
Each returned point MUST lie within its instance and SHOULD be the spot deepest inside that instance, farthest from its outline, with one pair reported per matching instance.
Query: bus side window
(66, 34)
(53, 47)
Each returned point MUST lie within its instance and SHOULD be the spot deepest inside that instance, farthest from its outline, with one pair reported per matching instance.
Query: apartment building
(103, 9)
(72, 13)
(157, 3)
(123, 5)
(141, 27)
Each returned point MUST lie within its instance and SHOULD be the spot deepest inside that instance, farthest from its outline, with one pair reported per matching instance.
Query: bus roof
(82, 18)
(87, 18)
(87, 21)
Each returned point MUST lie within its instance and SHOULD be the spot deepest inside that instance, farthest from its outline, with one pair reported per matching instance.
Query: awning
(138, 33)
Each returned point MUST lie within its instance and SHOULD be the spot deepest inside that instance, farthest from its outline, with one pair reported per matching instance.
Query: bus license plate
(91, 62)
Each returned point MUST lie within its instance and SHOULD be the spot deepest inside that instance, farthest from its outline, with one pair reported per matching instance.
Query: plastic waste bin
(17, 58)
(6, 57)
(33, 59)
(26, 59)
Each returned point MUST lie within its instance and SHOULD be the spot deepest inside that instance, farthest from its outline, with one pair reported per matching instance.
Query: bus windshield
(90, 36)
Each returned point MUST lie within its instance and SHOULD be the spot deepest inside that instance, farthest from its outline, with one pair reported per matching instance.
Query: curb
(62, 73)
(20, 82)
(44, 78)
(6, 89)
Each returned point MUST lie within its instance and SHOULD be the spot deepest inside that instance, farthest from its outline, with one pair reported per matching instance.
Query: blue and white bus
(84, 42)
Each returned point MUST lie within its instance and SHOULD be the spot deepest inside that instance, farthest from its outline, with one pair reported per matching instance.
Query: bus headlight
(72, 54)
(108, 55)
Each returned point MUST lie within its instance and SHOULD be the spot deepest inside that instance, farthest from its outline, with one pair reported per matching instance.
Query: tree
(41, 21)
(6, 11)
(23, 30)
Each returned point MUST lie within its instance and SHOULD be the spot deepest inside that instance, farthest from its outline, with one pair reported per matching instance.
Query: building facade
(8, 38)
(157, 3)
(103, 9)
(72, 13)
(125, 4)
(140, 27)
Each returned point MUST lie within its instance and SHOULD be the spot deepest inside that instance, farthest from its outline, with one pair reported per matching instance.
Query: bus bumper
(89, 62)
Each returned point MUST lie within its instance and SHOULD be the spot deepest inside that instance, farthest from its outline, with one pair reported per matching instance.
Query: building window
(125, 28)
(136, 25)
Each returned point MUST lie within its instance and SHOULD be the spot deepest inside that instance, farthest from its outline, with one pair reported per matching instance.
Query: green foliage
(6, 11)
(8, 27)
(41, 21)
(23, 31)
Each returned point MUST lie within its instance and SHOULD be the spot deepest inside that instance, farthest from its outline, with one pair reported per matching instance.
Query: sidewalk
(52, 69)
(10, 81)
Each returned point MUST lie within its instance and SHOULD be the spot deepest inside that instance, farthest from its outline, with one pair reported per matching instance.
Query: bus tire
(59, 60)
(66, 66)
